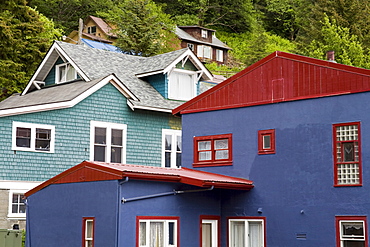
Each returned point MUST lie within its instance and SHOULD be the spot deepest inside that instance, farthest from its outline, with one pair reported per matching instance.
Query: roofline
(207, 43)
(67, 104)
(55, 46)
(193, 26)
(318, 62)
(158, 109)
(116, 174)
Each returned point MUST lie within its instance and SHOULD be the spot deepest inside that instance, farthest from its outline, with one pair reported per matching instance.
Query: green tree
(348, 49)
(142, 27)
(25, 36)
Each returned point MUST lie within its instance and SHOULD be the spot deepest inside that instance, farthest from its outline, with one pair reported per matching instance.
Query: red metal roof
(280, 77)
(88, 171)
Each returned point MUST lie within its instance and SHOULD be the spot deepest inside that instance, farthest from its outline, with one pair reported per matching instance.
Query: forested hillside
(252, 28)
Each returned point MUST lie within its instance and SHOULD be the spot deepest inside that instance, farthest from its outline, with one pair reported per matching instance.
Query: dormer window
(182, 85)
(204, 33)
(91, 30)
(65, 72)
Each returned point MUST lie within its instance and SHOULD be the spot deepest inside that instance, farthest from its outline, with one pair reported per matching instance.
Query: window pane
(178, 143)
(204, 145)
(348, 151)
(156, 234)
(237, 234)
(222, 144)
(222, 155)
(348, 243)
(142, 234)
(117, 137)
(100, 135)
(205, 155)
(15, 198)
(206, 235)
(116, 155)
(168, 142)
(266, 142)
(43, 139)
(353, 229)
(178, 159)
(167, 157)
(255, 234)
(71, 73)
(23, 138)
(15, 209)
(89, 229)
(171, 233)
(99, 153)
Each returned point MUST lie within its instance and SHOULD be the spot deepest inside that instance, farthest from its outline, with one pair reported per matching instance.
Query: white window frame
(207, 51)
(204, 33)
(33, 128)
(165, 232)
(173, 92)
(219, 55)
(109, 127)
(246, 231)
(174, 134)
(10, 205)
(200, 51)
(64, 79)
(88, 240)
(214, 231)
(344, 238)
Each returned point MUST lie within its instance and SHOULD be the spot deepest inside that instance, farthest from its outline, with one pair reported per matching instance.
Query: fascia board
(133, 107)
(194, 59)
(149, 73)
(60, 105)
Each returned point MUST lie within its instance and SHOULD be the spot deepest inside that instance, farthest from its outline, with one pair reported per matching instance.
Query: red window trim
(212, 162)
(211, 217)
(335, 155)
(176, 218)
(261, 134)
(246, 218)
(84, 219)
(344, 218)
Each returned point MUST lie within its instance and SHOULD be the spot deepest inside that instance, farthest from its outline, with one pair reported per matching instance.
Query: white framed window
(65, 72)
(200, 50)
(351, 231)
(157, 232)
(171, 148)
(204, 33)
(182, 84)
(91, 29)
(17, 206)
(88, 228)
(246, 232)
(108, 142)
(209, 233)
(33, 137)
(204, 51)
(219, 55)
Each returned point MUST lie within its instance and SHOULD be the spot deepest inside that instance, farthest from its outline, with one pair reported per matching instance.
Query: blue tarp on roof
(100, 45)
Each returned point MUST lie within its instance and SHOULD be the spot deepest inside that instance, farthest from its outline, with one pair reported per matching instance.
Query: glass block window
(347, 154)
(212, 150)
(351, 231)
(108, 142)
(266, 141)
(171, 148)
(33, 137)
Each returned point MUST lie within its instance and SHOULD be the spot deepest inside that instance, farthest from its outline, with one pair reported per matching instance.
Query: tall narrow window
(212, 150)
(88, 232)
(219, 55)
(247, 232)
(108, 142)
(266, 141)
(351, 231)
(209, 231)
(347, 154)
(171, 148)
(157, 231)
(33, 137)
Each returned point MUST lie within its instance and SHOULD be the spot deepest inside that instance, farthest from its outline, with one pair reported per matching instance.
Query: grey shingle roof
(97, 64)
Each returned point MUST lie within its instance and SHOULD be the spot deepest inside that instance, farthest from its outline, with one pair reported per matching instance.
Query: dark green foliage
(25, 36)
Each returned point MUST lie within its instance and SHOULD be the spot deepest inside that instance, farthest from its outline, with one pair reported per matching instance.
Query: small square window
(65, 72)
(171, 148)
(204, 33)
(212, 150)
(266, 141)
(17, 206)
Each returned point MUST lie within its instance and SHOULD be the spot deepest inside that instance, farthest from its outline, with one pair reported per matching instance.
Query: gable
(280, 77)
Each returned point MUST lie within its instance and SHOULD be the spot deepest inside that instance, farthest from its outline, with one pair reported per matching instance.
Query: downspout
(118, 209)
(174, 192)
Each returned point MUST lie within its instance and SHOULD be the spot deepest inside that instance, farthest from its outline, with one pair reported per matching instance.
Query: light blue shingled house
(89, 104)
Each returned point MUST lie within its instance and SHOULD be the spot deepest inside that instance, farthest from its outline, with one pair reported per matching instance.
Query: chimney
(330, 56)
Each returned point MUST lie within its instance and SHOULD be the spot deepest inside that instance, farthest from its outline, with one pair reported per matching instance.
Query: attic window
(65, 72)
(204, 33)
(182, 85)
(91, 30)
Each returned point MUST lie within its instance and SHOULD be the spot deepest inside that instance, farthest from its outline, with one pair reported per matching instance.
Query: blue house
(90, 104)
(295, 126)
